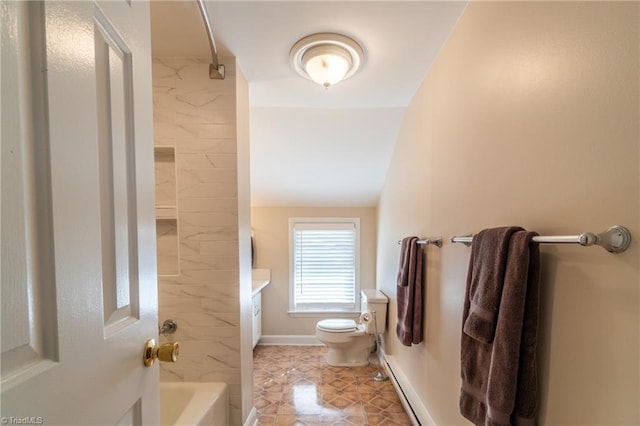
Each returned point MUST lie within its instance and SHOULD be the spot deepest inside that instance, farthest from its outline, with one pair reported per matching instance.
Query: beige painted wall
(209, 296)
(529, 116)
(271, 232)
(244, 242)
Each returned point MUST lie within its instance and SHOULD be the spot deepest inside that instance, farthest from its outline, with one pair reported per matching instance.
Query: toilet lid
(337, 325)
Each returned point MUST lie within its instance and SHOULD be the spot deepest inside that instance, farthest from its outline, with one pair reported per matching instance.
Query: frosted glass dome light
(326, 58)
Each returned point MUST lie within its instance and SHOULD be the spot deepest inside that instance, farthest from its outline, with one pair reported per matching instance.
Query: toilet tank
(375, 300)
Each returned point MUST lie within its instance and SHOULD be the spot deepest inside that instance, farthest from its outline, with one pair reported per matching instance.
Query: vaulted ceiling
(311, 146)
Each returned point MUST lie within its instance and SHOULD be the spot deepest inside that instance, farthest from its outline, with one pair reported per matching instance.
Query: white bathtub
(194, 404)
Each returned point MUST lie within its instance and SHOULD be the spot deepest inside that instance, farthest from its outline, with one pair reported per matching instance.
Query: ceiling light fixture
(326, 58)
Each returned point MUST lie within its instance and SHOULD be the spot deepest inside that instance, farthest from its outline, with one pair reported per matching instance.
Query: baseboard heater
(416, 411)
(403, 397)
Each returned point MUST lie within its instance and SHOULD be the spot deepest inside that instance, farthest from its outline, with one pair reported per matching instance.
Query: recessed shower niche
(166, 211)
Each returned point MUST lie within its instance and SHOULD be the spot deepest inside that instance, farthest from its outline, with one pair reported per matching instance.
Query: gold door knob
(167, 352)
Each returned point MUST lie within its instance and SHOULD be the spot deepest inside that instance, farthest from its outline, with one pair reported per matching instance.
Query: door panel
(29, 339)
(79, 291)
(114, 77)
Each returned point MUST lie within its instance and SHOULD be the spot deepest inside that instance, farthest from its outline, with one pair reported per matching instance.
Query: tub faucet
(168, 327)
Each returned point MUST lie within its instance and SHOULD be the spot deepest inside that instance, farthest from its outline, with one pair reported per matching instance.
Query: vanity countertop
(260, 279)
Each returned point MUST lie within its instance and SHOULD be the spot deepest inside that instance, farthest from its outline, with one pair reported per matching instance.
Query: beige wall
(271, 232)
(244, 244)
(200, 118)
(529, 117)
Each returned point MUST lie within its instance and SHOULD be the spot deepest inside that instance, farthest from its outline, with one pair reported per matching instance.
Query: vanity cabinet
(257, 317)
(260, 279)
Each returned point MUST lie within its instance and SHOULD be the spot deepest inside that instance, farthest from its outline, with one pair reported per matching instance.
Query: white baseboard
(408, 396)
(252, 418)
(289, 340)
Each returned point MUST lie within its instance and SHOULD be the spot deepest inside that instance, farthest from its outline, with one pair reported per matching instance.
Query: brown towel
(499, 379)
(409, 292)
(486, 270)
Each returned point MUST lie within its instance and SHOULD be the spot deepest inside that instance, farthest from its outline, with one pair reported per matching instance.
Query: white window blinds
(324, 265)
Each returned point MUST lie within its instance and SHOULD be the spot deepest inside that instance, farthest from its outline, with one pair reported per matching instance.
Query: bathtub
(194, 404)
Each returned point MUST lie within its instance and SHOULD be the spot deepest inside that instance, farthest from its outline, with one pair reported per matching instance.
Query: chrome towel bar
(426, 241)
(615, 240)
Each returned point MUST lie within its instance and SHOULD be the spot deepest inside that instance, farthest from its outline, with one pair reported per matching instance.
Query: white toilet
(350, 344)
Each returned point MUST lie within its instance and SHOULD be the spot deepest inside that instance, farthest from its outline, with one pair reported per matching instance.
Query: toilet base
(340, 355)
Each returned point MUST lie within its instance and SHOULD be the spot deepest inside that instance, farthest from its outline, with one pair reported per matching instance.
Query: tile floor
(293, 385)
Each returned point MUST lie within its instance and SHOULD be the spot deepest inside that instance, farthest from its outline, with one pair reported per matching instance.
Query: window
(324, 257)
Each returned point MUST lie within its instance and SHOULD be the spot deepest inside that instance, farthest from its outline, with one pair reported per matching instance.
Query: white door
(79, 294)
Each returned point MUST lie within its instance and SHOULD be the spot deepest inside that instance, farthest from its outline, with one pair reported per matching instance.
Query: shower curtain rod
(615, 240)
(216, 70)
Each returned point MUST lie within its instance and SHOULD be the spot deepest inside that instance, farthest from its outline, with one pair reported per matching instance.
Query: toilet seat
(337, 325)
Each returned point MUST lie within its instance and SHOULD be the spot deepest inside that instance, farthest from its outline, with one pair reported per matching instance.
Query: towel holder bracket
(615, 240)
(435, 241)
(465, 239)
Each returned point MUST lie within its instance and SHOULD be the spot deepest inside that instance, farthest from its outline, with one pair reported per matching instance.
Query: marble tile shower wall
(197, 116)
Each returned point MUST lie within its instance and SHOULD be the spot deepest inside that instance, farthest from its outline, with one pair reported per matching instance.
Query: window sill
(324, 314)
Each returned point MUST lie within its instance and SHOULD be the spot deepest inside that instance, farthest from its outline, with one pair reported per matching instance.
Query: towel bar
(615, 240)
(433, 241)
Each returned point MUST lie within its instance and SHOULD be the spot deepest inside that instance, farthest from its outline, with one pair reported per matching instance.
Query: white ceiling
(310, 146)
